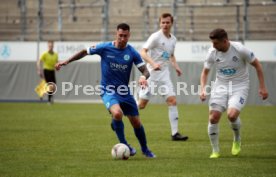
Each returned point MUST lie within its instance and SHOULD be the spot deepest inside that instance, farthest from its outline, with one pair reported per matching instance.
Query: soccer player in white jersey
(158, 52)
(231, 86)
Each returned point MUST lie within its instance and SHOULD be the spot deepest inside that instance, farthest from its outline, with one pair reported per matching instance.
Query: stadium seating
(87, 23)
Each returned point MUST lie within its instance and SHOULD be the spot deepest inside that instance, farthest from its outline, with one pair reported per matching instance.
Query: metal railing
(184, 23)
(176, 7)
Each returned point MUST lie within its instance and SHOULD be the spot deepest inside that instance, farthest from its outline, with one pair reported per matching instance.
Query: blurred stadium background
(26, 25)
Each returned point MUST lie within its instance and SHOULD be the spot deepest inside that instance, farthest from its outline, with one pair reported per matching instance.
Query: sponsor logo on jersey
(118, 67)
(228, 71)
(165, 56)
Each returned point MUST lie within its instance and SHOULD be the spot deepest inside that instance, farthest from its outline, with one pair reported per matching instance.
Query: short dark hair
(219, 34)
(165, 15)
(123, 26)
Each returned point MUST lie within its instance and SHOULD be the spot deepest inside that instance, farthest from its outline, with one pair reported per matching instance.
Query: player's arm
(148, 59)
(262, 90)
(175, 65)
(75, 57)
(38, 67)
(145, 75)
(203, 81)
(145, 72)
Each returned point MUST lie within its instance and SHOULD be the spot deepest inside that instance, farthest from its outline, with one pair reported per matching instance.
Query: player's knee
(213, 120)
(117, 115)
(141, 106)
(137, 123)
(171, 101)
(214, 117)
(232, 115)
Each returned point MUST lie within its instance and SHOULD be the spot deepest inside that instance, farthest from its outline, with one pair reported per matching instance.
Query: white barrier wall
(185, 51)
(18, 75)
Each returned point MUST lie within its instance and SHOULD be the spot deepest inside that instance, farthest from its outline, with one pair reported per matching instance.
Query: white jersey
(230, 65)
(160, 49)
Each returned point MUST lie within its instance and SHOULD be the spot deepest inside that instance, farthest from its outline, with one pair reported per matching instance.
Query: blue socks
(141, 135)
(139, 132)
(119, 129)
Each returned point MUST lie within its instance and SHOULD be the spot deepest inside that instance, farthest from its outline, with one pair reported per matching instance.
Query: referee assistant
(49, 58)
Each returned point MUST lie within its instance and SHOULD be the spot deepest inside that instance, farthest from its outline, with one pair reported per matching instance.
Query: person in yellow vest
(48, 59)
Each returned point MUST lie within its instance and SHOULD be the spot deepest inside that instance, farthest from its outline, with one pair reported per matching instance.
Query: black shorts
(49, 75)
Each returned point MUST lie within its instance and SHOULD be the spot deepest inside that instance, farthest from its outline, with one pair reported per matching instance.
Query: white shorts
(225, 96)
(164, 88)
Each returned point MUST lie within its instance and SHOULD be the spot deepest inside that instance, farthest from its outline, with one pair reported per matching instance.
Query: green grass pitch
(75, 140)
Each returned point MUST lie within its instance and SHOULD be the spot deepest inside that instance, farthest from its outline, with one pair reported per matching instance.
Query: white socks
(213, 132)
(173, 117)
(236, 129)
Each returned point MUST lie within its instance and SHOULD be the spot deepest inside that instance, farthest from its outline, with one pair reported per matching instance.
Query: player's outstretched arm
(75, 57)
(203, 80)
(262, 89)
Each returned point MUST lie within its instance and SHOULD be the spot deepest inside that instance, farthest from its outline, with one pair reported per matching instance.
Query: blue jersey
(116, 64)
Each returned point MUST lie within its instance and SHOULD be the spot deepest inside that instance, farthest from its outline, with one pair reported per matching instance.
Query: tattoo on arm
(143, 69)
(78, 56)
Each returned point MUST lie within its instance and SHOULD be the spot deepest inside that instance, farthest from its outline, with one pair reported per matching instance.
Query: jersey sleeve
(43, 57)
(174, 44)
(137, 59)
(151, 42)
(209, 60)
(95, 49)
(247, 54)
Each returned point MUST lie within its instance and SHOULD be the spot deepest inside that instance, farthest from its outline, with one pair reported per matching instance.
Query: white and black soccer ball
(120, 151)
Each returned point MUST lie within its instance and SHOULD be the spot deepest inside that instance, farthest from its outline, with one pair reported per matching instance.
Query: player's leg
(130, 109)
(213, 129)
(237, 100)
(173, 118)
(142, 103)
(47, 79)
(141, 135)
(235, 123)
(117, 122)
(50, 78)
(112, 105)
(170, 97)
(53, 85)
(144, 95)
(217, 105)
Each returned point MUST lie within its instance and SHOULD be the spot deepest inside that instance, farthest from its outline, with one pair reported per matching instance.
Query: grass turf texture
(75, 140)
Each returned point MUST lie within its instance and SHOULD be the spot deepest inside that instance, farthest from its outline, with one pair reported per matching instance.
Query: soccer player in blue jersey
(117, 58)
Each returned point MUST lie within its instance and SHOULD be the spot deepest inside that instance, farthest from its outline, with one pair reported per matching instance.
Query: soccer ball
(120, 151)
